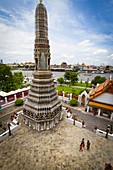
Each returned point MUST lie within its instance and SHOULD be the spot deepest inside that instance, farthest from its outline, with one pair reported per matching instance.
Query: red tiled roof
(104, 87)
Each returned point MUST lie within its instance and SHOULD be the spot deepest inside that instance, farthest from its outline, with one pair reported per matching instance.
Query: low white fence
(76, 123)
(72, 121)
(14, 128)
(69, 120)
(103, 134)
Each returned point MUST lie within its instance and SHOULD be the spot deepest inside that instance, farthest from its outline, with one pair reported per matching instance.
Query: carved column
(87, 108)
(99, 111)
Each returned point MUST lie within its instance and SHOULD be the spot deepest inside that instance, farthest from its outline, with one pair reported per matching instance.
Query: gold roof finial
(40, 1)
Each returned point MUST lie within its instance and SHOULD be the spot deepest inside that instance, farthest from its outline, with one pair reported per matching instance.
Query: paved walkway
(91, 120)
(57, 149)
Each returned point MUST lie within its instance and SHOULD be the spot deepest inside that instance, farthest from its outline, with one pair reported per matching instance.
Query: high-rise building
(1, 61)
(42, 109)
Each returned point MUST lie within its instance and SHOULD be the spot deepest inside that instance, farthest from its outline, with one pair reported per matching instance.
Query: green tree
(73, 77)
(98, 79)
(9, 81)
(73, 102)
(76, 68)
(18, 79)
(60, 80)
(19, 102)
(67, 75)
(6, 78)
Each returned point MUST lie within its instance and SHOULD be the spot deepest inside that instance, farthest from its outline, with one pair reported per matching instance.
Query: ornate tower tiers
(42, 109)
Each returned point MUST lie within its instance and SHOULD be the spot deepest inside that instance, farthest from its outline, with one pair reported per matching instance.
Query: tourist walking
(80, 147)
(8, 124)
(83, 143)
(107, 133)
(88, 145)
(107, 130)
(95, 128)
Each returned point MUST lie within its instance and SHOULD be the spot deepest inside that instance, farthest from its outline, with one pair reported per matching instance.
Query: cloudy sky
(80, 31)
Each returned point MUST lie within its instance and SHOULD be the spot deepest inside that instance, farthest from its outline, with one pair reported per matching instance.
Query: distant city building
(64, 65)
(1, 61)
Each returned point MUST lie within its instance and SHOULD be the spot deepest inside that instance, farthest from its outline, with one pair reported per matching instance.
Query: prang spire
(42, 108)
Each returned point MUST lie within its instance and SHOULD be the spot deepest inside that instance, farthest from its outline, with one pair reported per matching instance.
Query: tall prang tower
(42, 109)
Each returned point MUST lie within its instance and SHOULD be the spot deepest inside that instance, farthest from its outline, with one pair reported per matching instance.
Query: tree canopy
(60, 80)
(18, 79)
(98, 79)
(72, 76)
(8, 80)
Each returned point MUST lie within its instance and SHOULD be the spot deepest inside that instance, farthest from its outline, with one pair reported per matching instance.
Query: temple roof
(107, 87)
(105, 98)
(102, 96)
(100, 105)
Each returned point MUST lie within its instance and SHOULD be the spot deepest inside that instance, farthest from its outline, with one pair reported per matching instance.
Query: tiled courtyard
(57, 149)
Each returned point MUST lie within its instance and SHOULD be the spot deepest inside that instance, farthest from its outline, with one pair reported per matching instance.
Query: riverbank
(56, 74)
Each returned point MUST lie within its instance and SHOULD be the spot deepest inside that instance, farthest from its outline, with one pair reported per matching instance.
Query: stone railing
(72, 121)
(103, 134)
(14, 126)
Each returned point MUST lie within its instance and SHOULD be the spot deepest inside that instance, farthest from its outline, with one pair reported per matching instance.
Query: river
(81, 76)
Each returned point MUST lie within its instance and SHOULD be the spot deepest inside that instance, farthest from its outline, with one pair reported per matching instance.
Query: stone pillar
(99, 110)
(50, 125)
(60, 116)
(34, 126)
(87, 108)
(42, 126)
(29, 124)
(55, 120)
(63, 95)
(70, 96)
(26, 122)
(22, 94)
(15, 97)
(53, 123)
(38, 126)
(6, 100)
(111, 116)
(79, 99)
(45, 125)
(85, 100)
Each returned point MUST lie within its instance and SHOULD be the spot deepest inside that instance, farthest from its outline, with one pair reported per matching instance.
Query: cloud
(110, 57)
(99, 51)
(71, 40)
(85, 43)
(15, 44)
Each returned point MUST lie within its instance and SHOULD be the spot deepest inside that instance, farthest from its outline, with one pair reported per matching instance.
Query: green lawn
(70, 89)
(83, 84)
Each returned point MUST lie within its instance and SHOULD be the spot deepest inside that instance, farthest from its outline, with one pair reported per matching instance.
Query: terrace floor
(57, 149)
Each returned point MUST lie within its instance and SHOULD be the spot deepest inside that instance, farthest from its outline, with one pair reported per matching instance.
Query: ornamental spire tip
(40, 1)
